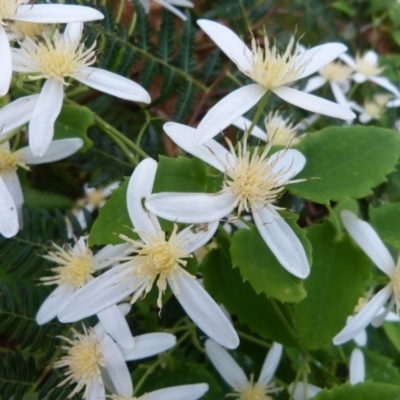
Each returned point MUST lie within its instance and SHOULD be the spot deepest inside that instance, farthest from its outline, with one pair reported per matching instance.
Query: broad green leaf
(392, 330)
(74, 121)
(361, 391)
(385, 219)
(336, 282)
(346, 162)
(261, 269)
(38, 199)
(380, 369)
(263, 316)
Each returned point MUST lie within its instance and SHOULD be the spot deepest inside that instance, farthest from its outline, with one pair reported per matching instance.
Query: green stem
(120, 11)
(16, 142)
(144, 127)
(352, 91)
(284, 320)
(8, 137)
(335, 219)
(259, 111)
(246, 20)
(132, 24)
(253, 339)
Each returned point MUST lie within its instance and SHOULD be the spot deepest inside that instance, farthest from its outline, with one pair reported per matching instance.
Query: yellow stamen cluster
(252, 177)
(254, 391)
(281, 131)
(375, 107)
(27, 29)
(157, 259)
(10, 161)
(8, 8)
(366, 68)
(83, 360)
(116, 397)
(59, 58)
(75, 266)
(336, 71)
(96, 197)
(271, 68)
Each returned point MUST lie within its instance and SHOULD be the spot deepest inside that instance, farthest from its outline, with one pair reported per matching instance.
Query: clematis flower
(157, 261)
(169, 5)
(11, 197)
(57, 59)
(272, 71)
(236, 378)
(372, 109)
(366, 237)
(19, 10)
(252, 182)
(367, 69)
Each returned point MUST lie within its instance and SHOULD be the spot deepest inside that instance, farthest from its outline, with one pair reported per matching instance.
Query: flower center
(75, 266)
(9, 161)
(27, 29)
(367, 69)
(157, 259)
(8, 8)
(271, 68)
(280, 130)
(336, 71)
(372, 109)
(83, 360)
(254, 391)
(96, 197)
(57, 58)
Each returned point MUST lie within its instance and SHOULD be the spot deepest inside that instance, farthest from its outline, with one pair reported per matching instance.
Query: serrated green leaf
(380, 369)
(346, 162)
(261, 269)
(385, 221)
(336, 282)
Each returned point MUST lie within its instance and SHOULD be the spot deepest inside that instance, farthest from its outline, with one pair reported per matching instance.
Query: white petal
(282, 241)
(339, 94)
(380, 317)
(172, 9)
(196, 208)
(313, 103)
(146, 5)
(184, 392)
(149, 345)
(104, 291)
(244, 124)
(364, 317)
(116, 367)
(226, 365)
(289, 161)
(371, 57)
(181, 3)
(56, 13)
(210, 152)
(318, 56)
(73, 32)
(6, 63)
(13, 185)
(105, 257)
(229, 43)
(366, 237)
(116, 326)
(8, 212)
(196, 236)
(140, 188)
(357, 367)
(312, 390)
(393, 103)
(361, 338)
(348, 60)
(17, 113)
(21, 61)
(113, 84)
(96, 389)
(392, 317)
(204, 311)
(271, 363)
(48, 107)
(359, 78)
(385, 83)
(227, 110)
(314, 83)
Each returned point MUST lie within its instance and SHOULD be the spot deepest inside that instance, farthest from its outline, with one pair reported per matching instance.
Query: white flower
(56, 59)
(372, 109)
(169, 5)
(366, 237)
(271, 70)
(11, 197)
(252, 182)
(235, 377)
(367, 69)
(18, 10)
(157, 260)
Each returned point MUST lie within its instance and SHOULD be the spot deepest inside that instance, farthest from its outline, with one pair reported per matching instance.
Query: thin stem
(144, 127)
(120, 10)
(16, 142)
(253, 339)
(284, 320)
(8, 137)
(352, 91)
(246, 20)
(132, 24)
(335, 219)
(259, 111)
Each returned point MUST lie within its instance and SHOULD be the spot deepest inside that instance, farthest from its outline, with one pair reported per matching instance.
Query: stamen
(10, 161)
(281, 131)
(254, 391)
(27, 29)
(8, 8)
(336, 71)
(367, 69)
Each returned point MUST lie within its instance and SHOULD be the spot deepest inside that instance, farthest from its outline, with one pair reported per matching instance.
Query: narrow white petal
(172, 9)
(73, 32)
(204, 311)
(8, 212)
(21, 61)
(146, 5)
(366, 237)
(181, 3)
(105, 257)
(339, 94)
(41, 125)
(56, 13)
(318, 56)
(371, 57)
(227, 367)
(244, 124)
(139, 189)
(392, 317)
(116, 367)
(13, 185)
(359, 78)
(380, 317)
(312, 390)
(196, 236)
(184, 392)
(282, 241)
(361, 338)
(385, 83)
(313, 103)
(348, 60)
(116, 326)
(228, 42)
(5, 63)
(96, 390)
(393, 103)
(314, 83)
(210, 152)
(289, 161)
(364, 317)
(17, 113)
(227, 110)
(113, 84)
(149, 345)
(196, 208)
(53, 303)
(271, 363)
(356, 367)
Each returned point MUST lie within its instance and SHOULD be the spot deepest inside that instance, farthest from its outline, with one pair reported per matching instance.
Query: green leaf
(38, 200)
(392, 330)
(74, 121)
(261, 269)
(346, 162)
(383, 219)
(380, 369)
(336, 282)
